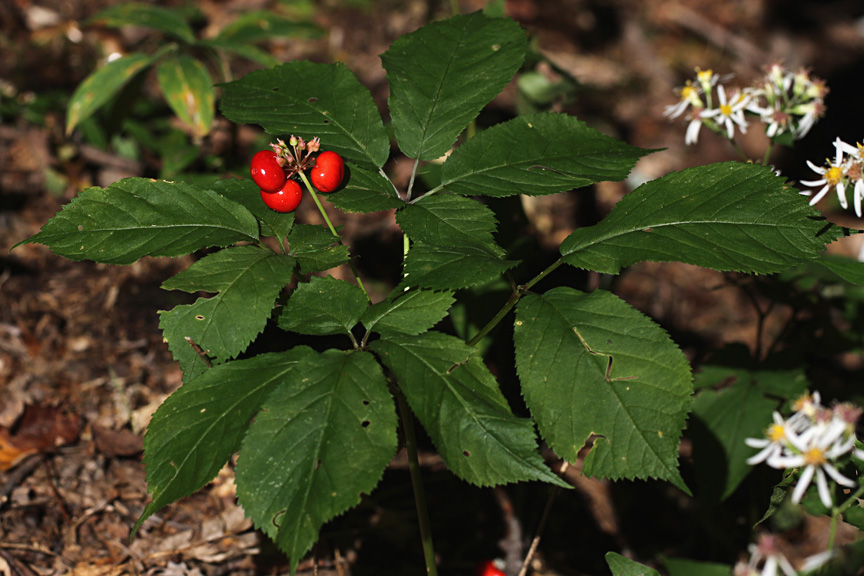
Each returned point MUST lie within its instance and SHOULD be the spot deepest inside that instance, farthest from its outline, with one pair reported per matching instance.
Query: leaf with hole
(591, 367)
(321, 440)
(247, 280)
(196, 430)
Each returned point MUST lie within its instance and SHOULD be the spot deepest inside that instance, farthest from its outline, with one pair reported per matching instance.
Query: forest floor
(83, 364)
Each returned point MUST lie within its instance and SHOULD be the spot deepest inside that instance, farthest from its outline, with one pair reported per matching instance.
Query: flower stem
(417, 484)
(838, 510)
(333, 231)
(767, 155)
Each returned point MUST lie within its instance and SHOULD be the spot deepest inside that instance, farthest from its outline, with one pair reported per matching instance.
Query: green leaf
(458, 402)
(847, 269)
(316, 249)
(443, 74)
(721, 421)
(365, 191)
(453, 267)
(188, 89)
(248, 279)
(145, 16)
(321, 440)
(103, 84)
(247, 194)
(685, 567)
(623, 566)
(248, 51)
(448, 220)
(310, 99)
(260, 25)
(195, 431)
(411, 313)
(534, 155)
(139, 217)
(592, 365)
(323, 306)
(726, 216)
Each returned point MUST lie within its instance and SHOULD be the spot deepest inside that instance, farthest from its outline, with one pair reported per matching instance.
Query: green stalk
(417, 484)
(333, 231)
(512, 301)
(767, 155)
(838, 510)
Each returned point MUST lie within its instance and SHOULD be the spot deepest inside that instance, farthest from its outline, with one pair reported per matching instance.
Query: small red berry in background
(266, 171)
(286, 199)
(328, 171)
(490, 568)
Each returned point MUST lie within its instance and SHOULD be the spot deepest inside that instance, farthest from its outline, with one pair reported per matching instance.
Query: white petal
(803, 482)
(692, 135)
(822, 486)
(819, 195)
(841, 195)
(837, 477)
(770, 568)
(787, 568)
(859, 195)
(764, 455)
(817, 169)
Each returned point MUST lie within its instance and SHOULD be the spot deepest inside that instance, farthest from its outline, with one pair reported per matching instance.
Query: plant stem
(512, 301)
(543, 519)
(417, 484)
(767, 155)
(838, 510)
(549, 269)
(333, 231)
(411, 182)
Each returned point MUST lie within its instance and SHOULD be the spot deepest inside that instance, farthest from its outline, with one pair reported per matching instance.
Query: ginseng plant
(315, 427)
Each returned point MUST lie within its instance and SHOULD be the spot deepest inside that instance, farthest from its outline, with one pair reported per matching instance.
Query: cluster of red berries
(272, 170)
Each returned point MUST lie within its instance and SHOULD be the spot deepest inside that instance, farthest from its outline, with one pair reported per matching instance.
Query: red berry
(286, 199)
(266, 171)
(489, 568)
(328, 171)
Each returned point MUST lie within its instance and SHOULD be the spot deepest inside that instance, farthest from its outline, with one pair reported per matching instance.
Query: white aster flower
(772, 445)
(767, 553)
(833, 176)
(689, 97)
(730, 113)
(815, 450)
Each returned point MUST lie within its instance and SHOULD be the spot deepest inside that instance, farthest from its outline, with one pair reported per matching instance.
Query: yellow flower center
(814, 457)
(776, 432)
(688, 92)
(704, 75)
(833, 175)
(726, 109)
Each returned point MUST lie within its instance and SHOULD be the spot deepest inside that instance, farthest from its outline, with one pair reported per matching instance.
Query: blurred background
(82, 362)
